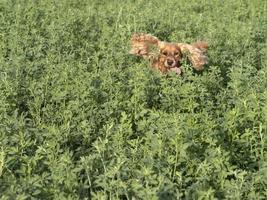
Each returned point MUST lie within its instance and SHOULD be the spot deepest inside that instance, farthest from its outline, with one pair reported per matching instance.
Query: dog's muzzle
(172, 65)
(169, 63)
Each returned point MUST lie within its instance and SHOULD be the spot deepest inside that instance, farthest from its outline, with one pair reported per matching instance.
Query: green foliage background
(80, 118)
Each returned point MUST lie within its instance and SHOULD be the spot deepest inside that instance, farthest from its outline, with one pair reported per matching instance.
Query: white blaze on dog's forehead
(161, 45)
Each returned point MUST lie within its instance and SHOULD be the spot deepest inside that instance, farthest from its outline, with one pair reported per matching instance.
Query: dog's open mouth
(177, 70)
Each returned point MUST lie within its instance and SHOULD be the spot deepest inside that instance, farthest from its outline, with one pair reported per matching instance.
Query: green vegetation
(80, 118)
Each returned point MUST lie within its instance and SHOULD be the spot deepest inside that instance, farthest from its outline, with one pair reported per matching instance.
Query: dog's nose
(170, 62)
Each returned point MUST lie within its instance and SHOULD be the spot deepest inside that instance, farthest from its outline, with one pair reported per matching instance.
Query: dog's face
(170, 55)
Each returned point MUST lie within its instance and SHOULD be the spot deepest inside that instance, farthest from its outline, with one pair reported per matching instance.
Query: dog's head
(170, 55)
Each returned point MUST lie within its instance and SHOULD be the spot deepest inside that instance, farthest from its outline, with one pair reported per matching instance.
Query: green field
(80, 118)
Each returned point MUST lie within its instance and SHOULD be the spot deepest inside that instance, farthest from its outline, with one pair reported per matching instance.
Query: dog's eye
(165, 53)
(176, 53)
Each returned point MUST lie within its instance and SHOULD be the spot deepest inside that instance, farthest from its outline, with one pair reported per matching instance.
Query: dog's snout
(170, 62)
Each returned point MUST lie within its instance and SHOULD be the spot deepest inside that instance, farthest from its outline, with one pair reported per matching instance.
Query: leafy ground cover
(80, 118)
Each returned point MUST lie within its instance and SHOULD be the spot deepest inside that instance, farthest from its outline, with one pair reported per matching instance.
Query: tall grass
(80, 118)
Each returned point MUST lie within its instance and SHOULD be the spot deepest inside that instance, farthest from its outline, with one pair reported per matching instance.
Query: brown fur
(169, 55)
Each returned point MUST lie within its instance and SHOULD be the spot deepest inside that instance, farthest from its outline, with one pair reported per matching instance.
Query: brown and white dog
(165, 56)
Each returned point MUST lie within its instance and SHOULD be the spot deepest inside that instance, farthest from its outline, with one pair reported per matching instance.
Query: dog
(166, 56)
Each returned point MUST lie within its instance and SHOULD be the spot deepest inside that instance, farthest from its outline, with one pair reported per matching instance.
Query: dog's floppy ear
(195, 53)
(143, 45)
